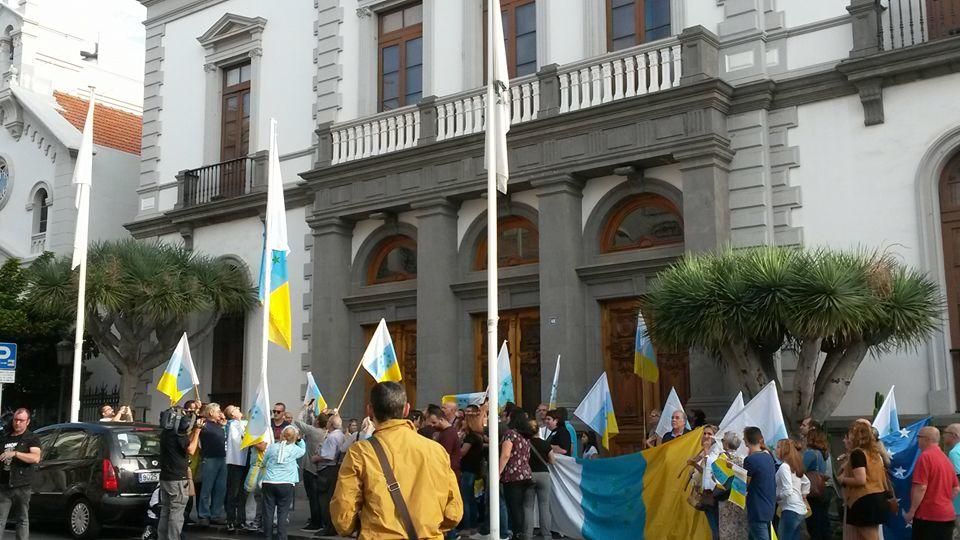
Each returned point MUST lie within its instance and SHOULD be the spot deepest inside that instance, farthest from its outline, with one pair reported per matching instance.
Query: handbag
(893, 506)
(818, 485)
(394, 488)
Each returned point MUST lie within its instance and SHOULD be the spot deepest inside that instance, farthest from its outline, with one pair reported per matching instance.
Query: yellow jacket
(427, 482)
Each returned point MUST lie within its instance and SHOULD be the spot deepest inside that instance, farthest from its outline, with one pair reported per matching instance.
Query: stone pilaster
(438, 367)
(330, 335)
(562, 294)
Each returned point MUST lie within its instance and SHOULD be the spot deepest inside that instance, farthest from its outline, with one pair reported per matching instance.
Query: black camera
(179, 420)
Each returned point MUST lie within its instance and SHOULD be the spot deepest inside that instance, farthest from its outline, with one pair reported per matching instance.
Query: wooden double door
(521, 329)
(633, 398)
(226, 385)
(404, 336)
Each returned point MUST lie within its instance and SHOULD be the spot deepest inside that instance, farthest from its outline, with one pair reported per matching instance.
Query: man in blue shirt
(951, 442)
(762, 486)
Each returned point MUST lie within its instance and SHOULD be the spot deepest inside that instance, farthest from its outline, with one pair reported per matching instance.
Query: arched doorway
(950, 231)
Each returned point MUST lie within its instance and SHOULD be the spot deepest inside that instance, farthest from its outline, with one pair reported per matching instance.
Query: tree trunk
(804, 380)
(129, 379)
(831, 390)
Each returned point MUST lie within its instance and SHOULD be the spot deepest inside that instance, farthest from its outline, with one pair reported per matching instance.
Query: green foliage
(769, 296)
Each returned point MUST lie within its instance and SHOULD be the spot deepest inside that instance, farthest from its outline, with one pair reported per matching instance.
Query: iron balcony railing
(215, 182)
(904, 23)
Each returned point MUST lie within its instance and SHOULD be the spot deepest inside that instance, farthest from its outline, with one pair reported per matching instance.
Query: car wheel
(82, 521)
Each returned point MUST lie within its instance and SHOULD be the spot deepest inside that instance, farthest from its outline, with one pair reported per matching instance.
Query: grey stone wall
(326, 83)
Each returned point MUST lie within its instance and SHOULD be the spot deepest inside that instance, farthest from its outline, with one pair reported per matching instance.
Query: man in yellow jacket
(422, 468)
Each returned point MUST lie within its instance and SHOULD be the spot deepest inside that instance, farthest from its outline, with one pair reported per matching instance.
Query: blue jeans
(213, 489)
(713, 519)
(759, 530)
(484, 528)
(790, 524)
(470, 509)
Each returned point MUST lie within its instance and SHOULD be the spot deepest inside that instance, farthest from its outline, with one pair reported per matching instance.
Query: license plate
(146, 477)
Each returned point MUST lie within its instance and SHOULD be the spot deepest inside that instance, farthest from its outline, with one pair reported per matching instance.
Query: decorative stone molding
(231, 27)
(871, 96)
(11, 113)
(364, 12)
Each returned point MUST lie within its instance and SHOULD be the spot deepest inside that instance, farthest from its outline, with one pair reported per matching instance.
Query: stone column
(439, 367)
(330, 318)
(706, 227)
(866, 37)
(562, 323)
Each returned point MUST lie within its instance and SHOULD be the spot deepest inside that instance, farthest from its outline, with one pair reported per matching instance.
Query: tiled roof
(112, 128)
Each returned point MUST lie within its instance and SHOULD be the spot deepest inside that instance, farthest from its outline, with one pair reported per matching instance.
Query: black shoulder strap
(394, 489)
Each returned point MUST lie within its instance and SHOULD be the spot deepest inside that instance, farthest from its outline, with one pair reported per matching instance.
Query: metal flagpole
(81, 237)
(493, 380)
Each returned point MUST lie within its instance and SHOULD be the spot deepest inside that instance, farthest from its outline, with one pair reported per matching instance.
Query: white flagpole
(267, 270)
(80, 252)
(493, 316)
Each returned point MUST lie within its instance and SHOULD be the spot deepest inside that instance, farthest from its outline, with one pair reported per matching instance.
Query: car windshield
(139, 442)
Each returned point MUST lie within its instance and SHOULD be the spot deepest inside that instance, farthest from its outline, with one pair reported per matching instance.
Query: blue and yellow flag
(632, 497)
(465, 400)
(644, 357)
(313, 393)
(275, 245)
(596, 410)
(179, 376)
(732, 477)
(258, 428)
(380, 359)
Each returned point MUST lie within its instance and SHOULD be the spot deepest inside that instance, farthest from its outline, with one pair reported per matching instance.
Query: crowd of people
(792, 486)
(435, 461)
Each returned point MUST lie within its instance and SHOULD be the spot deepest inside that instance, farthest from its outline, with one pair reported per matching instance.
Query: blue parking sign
(8, 356)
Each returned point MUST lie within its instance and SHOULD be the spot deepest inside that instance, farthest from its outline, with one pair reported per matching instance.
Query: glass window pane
(69, 445)
(653, 34)
(618, 3)
(246, 105)
(526, 69)
(656, 14)
(232, 103)
(413, 15)
(391, 58)
(399, 264)
(245, 73)
(414, 80)
(623, 22)
(414, 52)
(391, 22)
(390, 104)
(526, 49)
(648, 226)
(411, 99)
(233, 76)
(624, 43)
(526, 18)
(390, 85)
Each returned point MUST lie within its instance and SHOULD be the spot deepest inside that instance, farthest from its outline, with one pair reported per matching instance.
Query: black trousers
(310, 482)
(276, 497)
(326, 483)
(932, 530)
(236, 497)
(514, 492)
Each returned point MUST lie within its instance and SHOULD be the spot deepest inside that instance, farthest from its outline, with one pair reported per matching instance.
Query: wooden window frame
(504, 223)
(639, 23)
(399, 38)
(625, 208)
(508, 7)
(230, 91)
(381, 253)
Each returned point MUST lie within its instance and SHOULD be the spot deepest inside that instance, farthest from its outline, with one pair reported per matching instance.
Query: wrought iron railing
(218, 181)
(904, 23)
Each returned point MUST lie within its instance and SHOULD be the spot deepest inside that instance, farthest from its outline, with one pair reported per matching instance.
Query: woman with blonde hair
(863, 478)
(792, 487)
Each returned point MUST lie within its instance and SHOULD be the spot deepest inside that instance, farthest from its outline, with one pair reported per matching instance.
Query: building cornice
(158, 13)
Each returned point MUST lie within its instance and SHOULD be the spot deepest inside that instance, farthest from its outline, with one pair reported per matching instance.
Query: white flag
(82, 177)
(887, 421)
(553, 387)
(672, 404)
(764, 412)
(276, 210)
(498, 116)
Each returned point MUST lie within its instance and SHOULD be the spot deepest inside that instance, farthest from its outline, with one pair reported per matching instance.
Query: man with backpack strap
(397, 484)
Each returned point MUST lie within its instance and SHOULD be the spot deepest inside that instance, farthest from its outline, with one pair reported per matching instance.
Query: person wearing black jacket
(21, 453)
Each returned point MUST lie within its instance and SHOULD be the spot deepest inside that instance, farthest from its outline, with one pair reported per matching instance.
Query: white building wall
(859, 187)
(285, 88)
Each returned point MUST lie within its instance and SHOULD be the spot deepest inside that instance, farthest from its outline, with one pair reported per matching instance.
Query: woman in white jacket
(792, 487)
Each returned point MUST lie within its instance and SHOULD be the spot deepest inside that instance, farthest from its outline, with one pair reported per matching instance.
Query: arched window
(4, 181)
(395, 259)
(40, 206)
(518, 242)
(640, 222)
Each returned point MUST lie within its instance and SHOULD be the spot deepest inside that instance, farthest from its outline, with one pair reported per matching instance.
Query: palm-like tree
(828, 308)
(141, 297)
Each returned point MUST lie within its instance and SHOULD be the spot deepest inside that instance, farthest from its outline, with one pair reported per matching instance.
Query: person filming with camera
(178, 441)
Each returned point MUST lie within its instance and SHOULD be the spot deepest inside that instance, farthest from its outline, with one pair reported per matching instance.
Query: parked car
(94, 474)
